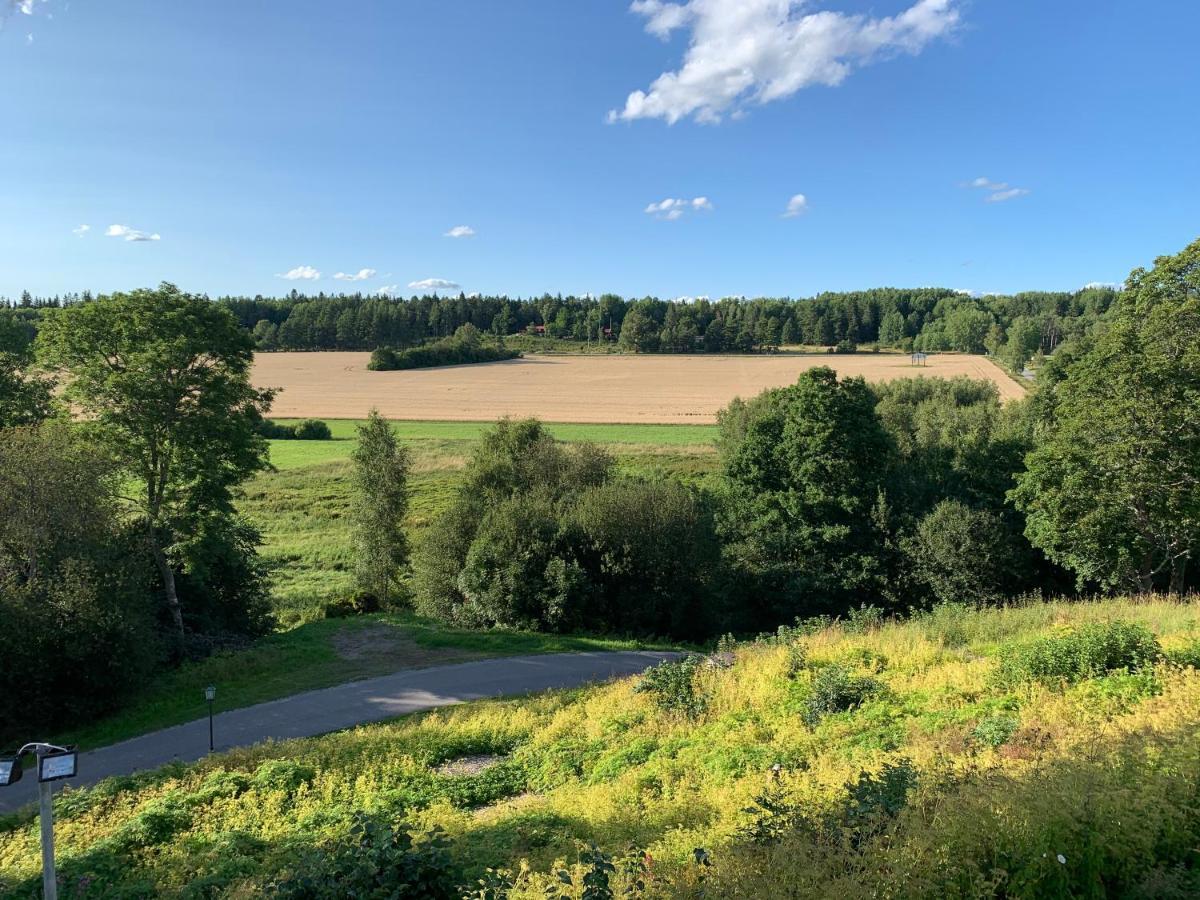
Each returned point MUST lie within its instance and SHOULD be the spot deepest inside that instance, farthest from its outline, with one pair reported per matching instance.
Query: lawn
(924, 758)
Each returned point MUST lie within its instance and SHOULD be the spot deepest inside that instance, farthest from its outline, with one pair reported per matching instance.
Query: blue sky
(258, 138)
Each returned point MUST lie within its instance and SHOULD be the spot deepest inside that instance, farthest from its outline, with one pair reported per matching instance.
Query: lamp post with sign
(54, 763)
(210, 694)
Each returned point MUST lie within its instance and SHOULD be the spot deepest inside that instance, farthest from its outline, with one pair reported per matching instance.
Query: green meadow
(301, 507)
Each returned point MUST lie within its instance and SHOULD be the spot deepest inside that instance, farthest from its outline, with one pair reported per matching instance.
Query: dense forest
(1013, 328)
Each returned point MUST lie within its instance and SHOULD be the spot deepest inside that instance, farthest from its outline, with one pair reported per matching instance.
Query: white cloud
(130, 234)
(81, 230)
(744, 52)
(673, 208)
(29, 39)
(1007, 194)
(460, 231)
(795, 206)
(360, 275)
(998, 191)
(300, 273)
(388, 290)
(435, 284)
(1103, 284)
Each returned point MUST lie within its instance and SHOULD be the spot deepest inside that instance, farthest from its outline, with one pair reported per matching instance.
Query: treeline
(120, 549)
(463, 347)
(1014, 328)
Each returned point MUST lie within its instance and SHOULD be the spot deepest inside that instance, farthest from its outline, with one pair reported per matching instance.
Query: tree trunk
(168, 578)
(1146, 576)
(1178, 575)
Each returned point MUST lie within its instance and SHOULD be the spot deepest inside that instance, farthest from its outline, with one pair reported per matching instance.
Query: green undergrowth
(864, 759)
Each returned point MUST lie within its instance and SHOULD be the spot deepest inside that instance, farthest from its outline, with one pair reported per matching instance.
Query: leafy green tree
(965, 555)
(1112, 491)
(163, 379)
(77, 629)
(25, 397)
(805, 467)
(966, 329)
(891, 329)
(514, 460)
(650, 550)
(639, 332)
(380, 482)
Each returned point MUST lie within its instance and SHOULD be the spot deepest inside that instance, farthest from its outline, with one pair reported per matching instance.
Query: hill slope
(1045, 750)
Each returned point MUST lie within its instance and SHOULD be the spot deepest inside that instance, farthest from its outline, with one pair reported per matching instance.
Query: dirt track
(623, 389)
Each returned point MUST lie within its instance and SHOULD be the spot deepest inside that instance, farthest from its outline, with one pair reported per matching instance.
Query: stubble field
(616, 389)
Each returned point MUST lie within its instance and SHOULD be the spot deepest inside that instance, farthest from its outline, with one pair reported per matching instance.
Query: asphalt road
(344, 706)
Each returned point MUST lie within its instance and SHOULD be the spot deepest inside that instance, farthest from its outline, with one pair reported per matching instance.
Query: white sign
(57, 767)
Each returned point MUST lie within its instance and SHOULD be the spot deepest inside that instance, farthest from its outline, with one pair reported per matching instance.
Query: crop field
(601, 389)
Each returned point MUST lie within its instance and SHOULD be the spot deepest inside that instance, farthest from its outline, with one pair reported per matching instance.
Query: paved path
(346, 705)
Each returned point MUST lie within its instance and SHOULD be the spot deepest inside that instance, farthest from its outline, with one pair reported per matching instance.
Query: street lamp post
(53, 764)
(210, 694)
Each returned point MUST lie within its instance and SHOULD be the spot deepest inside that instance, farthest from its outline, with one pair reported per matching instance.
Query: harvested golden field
(659, 389)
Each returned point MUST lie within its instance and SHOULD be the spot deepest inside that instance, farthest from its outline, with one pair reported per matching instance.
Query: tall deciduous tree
(806, 464)
(1113, 489)
(381, 500)
(163, 379)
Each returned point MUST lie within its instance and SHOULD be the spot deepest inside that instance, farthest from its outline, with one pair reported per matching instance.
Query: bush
(1090, 650)
(360, 603)
(376, 859)
(304, 430)
(995, 730)
(673, 686)
(312, 430)
(836, 689)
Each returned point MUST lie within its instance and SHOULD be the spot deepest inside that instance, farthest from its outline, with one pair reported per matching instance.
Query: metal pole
(211, 746)
(49, 876)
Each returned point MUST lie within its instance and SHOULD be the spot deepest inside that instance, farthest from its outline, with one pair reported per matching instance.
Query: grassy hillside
(1047, 750)
(301, 508)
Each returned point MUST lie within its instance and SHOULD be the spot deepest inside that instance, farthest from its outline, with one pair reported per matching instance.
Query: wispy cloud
(388, 290)
(130, 234)
(460, 231)
(81, 230)
(300, 273)
(673, 208)
(751, 52)
(360, 275)
(1116, 286)
(797, 205)
(997, 191)
(435, 284)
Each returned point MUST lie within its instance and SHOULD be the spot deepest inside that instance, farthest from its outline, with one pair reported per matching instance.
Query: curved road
(346, 705)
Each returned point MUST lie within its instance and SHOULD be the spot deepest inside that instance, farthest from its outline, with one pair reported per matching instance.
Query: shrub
(836, 689)
(281, 775)
(359, 603)
(312, 430)
(304, 430)
(376, 859)
(1186, 657)
(1092, 649)
(672, 684)
(995, 730)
